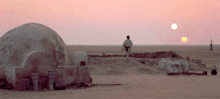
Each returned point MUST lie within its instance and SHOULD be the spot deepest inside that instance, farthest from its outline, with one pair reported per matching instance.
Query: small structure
(34, 47)
(79, 59)
(211, 46)
(174, 66)
(180, 67)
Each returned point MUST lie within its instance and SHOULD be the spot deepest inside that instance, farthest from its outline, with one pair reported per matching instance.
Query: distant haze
(108, 22)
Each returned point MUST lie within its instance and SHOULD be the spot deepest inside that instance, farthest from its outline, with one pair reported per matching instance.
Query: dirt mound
(107, 55)
(122, 66)
(154, 55)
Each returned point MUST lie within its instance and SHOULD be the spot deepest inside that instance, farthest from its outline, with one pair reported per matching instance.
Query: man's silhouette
(127, 45)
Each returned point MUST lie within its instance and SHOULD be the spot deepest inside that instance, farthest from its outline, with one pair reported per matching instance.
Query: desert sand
(138, 80)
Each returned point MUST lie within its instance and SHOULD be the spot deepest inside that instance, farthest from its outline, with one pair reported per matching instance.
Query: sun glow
(184, 39)
(174, 26)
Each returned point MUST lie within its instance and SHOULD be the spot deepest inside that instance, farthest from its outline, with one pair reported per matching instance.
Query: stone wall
(73, 74)
(67, 73)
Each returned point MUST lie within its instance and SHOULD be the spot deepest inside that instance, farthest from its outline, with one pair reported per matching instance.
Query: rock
(198, 61)
(188, 58)
(213, 72)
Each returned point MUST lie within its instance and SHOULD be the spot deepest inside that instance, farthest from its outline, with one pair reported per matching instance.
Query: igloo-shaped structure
(34, 47)
(32, 40)
(31, 47)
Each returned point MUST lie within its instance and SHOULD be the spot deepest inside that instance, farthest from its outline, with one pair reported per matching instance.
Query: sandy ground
(135, 86)
(134, 83)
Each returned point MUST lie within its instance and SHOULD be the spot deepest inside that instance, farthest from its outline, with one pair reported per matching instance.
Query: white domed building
(34, 47)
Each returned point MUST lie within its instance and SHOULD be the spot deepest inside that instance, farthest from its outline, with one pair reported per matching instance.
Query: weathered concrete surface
(182, 65)
(75, 57)
(31, 47)
(83, 74)
(10, 74)
(18, 45)
(67, 74)
(73, 74)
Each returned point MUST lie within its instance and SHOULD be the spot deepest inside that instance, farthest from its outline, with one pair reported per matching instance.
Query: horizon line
(141, 45)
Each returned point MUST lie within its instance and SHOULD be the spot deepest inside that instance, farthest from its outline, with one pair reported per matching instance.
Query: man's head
(128, 37)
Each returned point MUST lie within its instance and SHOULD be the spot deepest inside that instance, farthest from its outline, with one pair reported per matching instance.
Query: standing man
(127, 45)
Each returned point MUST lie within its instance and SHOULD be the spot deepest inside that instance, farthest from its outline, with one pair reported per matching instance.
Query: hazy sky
(108, 22)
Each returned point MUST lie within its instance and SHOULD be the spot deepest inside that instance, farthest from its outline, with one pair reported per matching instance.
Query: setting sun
(184, 39)
(174, 26)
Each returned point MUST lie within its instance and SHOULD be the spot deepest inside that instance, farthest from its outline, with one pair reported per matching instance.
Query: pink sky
(108, 22)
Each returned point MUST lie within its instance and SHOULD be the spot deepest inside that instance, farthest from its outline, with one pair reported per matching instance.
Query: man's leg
(128, 52)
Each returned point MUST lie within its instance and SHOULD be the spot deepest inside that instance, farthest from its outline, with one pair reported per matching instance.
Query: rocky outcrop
(154, 55)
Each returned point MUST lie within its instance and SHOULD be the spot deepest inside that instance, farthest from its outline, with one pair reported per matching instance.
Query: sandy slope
(123, 66)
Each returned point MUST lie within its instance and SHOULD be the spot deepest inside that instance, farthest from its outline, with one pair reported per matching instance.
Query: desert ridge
(201, 52)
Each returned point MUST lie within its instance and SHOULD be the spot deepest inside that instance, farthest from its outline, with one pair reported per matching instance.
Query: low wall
(68, 74)
(83, 74)
(73, 74)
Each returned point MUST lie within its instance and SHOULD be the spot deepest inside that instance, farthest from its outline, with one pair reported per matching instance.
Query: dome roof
(19, 42)
(31, 30)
